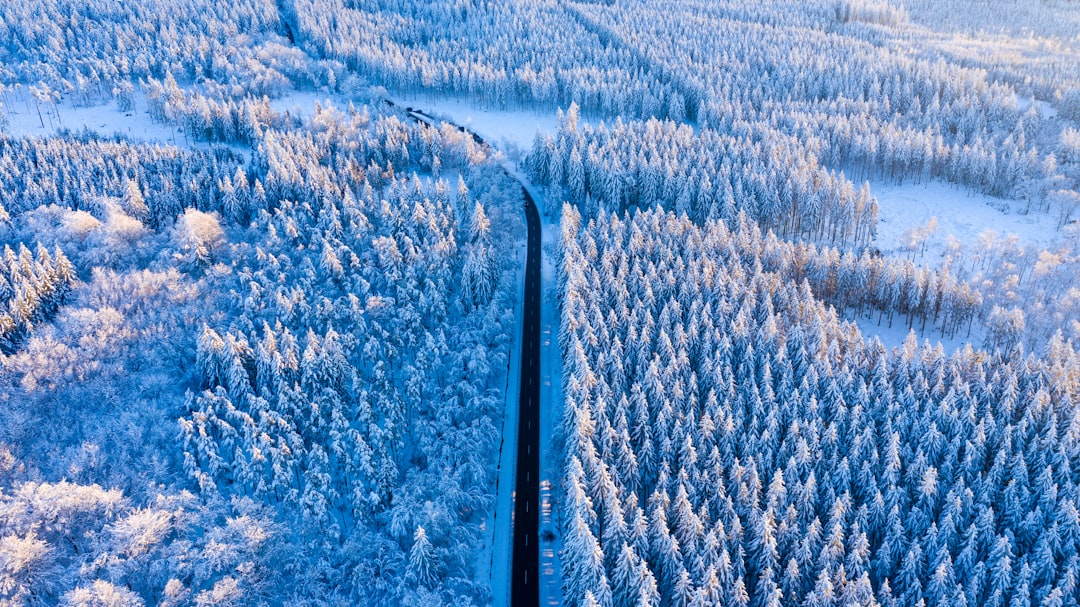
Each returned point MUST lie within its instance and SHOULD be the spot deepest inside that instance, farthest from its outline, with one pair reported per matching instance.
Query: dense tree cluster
(867, 97)
(78, 171)
(783, 96)
(706, 175)
(88, 48)
(84, 546)
(728, 441)
(355, 384)
(879, 12)
(868, 283)
(32, 287)
(337, 312)
(770, 179)
(1048, 19)
(207, 118)
(308, 327)
(854, 100)
(499, 53)
(1048, 24)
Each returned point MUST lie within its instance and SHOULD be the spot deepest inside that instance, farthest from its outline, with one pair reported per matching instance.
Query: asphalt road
(525, 564)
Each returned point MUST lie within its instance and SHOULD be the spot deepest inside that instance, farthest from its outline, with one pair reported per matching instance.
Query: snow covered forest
(325, 347)
(319, 337)
(729, 441)
(812, 268)
(277, 365)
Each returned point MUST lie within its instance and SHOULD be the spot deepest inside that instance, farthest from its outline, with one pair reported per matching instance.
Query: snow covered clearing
(894, 336)
(107, 119)
(948, 217)
(302, 103)
(510, 131)
(1023, 103)
(23, 120)
(935, 222)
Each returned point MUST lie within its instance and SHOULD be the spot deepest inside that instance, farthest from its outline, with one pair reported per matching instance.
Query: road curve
(525, 558)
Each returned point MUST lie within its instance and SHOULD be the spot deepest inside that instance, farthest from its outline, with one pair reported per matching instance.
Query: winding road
(525, 559)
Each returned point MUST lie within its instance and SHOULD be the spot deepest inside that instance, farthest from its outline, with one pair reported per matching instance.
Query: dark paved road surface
(525, 579)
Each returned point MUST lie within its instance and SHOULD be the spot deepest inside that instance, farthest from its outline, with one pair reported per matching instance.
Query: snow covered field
(504, 129)
(928, 222)
(106, 119)
(894, 336)
(959, 215)
(302, 103)
(932, 221)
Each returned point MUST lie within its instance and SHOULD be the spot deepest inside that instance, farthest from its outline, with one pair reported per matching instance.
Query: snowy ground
(510, 131)
(106, 119)
(894, 336)
(551, 398)
(302, 103)
(498, 574)
(959, 215)
(960, 218)
(1044, 107)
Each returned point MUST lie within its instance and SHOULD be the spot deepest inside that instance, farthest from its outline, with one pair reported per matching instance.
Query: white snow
(1045, 109)
(959, 214)
(498, 568)
(507, 130)
(551, 399)
(105, 119)
(894, 336)
(950, 219)
(302, 103)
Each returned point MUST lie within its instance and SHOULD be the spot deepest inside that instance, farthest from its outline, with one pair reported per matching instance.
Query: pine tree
(133, 204)
(423, 565)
